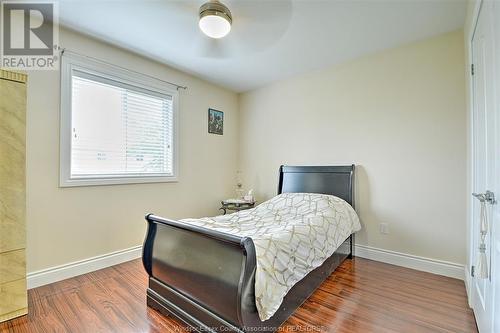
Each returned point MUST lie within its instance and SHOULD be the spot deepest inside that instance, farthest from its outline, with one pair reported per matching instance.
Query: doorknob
(488, 197)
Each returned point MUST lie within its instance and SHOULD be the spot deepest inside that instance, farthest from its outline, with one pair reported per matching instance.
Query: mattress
(293, 233)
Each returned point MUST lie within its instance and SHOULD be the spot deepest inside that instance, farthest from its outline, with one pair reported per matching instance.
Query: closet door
(13, 295)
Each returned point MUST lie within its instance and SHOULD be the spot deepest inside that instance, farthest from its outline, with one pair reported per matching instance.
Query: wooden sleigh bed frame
(206, 278)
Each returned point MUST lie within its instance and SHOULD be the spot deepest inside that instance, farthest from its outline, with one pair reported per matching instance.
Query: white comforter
(293, 233)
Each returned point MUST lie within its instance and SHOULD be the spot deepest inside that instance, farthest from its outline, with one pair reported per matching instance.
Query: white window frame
(71, 62)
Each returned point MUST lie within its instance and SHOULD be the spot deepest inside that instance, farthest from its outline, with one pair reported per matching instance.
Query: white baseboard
(410, 261)
(58, 273)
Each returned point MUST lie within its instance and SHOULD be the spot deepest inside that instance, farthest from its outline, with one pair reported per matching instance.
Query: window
(116, 127)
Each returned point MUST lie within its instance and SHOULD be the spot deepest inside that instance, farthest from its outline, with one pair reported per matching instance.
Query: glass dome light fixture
(215, 19)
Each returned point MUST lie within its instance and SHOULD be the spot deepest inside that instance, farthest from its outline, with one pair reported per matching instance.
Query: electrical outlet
(384, 228)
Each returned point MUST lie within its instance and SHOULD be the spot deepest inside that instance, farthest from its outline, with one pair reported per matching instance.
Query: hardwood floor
(361, 296)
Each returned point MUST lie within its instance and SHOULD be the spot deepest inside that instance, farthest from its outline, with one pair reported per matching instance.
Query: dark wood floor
(361, 296)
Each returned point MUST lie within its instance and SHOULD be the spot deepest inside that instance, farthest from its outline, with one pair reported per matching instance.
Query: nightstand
(235, 206)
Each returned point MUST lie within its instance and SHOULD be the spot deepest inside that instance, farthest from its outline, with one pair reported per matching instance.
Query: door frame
(469, 35)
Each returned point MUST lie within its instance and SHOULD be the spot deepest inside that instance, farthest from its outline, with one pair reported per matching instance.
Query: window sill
(116, 181)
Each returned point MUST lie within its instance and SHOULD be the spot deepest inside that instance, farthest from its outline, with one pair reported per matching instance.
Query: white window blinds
(119, 130)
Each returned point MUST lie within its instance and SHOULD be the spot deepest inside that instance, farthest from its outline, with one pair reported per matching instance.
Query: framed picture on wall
(215, 122)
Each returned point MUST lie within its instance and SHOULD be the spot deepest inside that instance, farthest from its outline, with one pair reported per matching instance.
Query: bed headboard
(333, 180)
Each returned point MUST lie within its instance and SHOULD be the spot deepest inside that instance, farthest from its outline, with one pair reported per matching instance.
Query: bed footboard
(196, 272)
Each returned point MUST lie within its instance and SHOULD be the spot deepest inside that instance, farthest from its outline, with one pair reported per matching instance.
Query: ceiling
(270, 39)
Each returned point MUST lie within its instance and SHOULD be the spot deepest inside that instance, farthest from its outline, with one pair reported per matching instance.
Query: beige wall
(69, 224)
(400, 116)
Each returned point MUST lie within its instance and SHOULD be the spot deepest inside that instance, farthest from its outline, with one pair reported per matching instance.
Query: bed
(206, 278)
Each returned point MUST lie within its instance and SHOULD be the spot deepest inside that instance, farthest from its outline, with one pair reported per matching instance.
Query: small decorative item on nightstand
(235, 205)
(249, 196)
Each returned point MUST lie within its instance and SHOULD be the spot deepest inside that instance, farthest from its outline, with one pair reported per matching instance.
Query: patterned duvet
(293, 234)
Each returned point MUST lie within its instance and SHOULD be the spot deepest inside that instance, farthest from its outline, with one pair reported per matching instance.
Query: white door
(485, 177)
(496, 219)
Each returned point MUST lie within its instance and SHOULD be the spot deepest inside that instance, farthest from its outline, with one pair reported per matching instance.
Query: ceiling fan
(237, 26)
